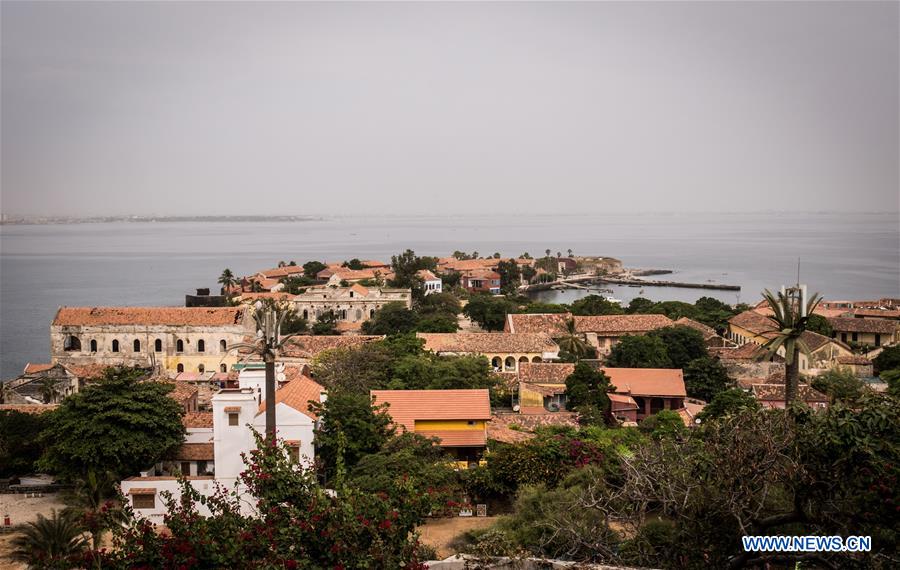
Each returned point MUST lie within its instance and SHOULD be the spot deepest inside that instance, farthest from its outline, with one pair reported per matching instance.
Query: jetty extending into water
(579, 281)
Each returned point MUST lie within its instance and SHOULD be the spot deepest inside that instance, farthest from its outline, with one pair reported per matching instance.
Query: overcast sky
(423, 108)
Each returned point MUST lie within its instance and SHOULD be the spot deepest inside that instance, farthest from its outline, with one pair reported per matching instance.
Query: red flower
(385, 524)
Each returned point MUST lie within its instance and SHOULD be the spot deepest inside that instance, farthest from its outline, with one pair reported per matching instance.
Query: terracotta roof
(142, 491)
(426, 275)
(171, 478)
(775, 393)
(85, 371)
(277, 295)
(545, 372)
(854, 360)
(297, 393)
(28, 408)
(345, 273)
(407, 406)
(195, 452)
(481, 274)
(615, 325)
(197, 420)
(192, 377)
(462, 265)
(375, 263)
(553, 324)
(490, 343)
(310, 346)
(174, 316)
(348, 326)
(753, 322)
(281, 271)
(876, 313)
(457, 438)
(621, 402)
(647, 381)
(36, 368)
(707, 332)
(182, 392)
(850, 324)
(815, 341)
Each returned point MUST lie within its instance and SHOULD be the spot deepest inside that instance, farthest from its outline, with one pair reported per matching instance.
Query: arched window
(93, 345)
(343, 314)
(179, 345)
(496, 362)
(180, 367)
(223, 346)
(305, 314)
(371, 313)
(523, 359)
(536, 359)
(223, 367)
(137, 345)
(201, 369)
(157, 345)
(201, 345)
(115, 346)
(358, 314)
(71, 343)
(510, 363)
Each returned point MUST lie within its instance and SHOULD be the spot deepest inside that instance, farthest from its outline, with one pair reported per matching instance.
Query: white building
(235, 412)
(431, 282)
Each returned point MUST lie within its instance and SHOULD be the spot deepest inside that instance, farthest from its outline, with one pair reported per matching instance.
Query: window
(144, 501)
(137, 345)
(344, 314)
(201, 369)
(305, 314)
(115, 346)
(223, 346)
(180, 367)
(233, 418)
(185, 468)
(93, 346)
(71, 343)
(877, 339)
(358, 314)
(203, 468)
(351, 294)
(179, 345)
(855, 337)
(157, 345)
(223, 368)
(294, 452)
(201, 345)
(470, 422)
(372, 313)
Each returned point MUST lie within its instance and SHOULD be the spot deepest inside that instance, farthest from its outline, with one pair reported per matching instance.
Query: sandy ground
(440, 532)
(22, 510)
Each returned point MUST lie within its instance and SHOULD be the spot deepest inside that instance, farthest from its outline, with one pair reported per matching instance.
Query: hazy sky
(343, 108)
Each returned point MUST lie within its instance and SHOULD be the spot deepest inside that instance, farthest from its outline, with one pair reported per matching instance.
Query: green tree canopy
(354, 263)
(587, 390)
(639, 351)
(729, 402)
(595, 305)
(19, 443)
(392, 318)
(119, 424)
(819, 324)
(489, 311)
(705, 377)
(639, 305)
(510, 276)
(312, 268)
(888, 359)
(839, 384)
(683, 344)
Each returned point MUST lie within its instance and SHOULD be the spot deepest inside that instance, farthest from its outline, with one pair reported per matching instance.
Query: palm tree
(3, 392)
(227, 279)
(569, 251)
(88, 502)
(790, 321)
(48, 539)
(547, 251)
(572, 342)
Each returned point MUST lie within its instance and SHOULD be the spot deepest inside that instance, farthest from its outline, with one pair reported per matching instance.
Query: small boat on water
(614, 300)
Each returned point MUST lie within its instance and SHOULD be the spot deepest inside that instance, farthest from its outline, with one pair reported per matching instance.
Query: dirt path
(439, 533)
(21, 510)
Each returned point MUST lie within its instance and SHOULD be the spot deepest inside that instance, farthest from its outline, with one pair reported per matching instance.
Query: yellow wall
(530, 398)
(449, 425)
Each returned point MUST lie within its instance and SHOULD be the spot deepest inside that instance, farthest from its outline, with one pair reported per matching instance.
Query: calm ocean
(45, 266)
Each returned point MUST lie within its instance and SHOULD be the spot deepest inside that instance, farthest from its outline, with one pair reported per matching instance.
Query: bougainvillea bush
(288, 520)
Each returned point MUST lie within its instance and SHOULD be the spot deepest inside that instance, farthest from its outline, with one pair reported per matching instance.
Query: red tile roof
(488, 343)
(35, 368)
(172, 316)
(621, 402)
(850, 324)
(553, 324)
(182, 392)
(545, 372)
(197, 420)
(297, 394)
(28, 408)
(854, 360)
(500, 428)
(665, 382)
(753, 322)
(407, 406)
(775, 393)
(876, 313)
(426, 275)
(457, 438)
(747, 351)
(87, 371)
(195, 452)
(707, 332)
(617, 325)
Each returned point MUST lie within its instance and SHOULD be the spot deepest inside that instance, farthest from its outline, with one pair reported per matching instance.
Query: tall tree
(790, 321)
(510, 276)
(572, 342)
(227, 280)
(683, 344)
(120, 424)
(639, 351)
(595, 305)
(49, 542)
(587, 391)
(489, 311)
(312, 268)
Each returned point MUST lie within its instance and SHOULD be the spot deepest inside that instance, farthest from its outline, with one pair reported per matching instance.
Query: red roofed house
(553, 324)
(504, 350)
(870, 332)
(430, 282)
(639, 392)
(604, 331)
(170, 339)
(481, 281)
(458, 418)
(354, 304)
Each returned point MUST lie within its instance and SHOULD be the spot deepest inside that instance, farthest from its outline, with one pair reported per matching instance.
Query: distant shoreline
(59, 220)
